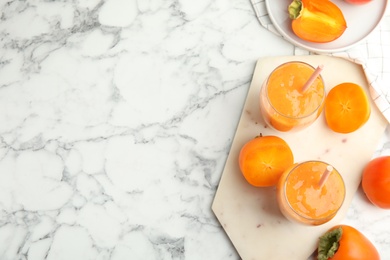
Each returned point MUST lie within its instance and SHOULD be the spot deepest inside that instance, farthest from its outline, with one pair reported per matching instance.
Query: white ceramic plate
(361, 21)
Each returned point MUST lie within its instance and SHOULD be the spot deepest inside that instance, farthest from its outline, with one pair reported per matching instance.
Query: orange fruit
(347, 108)
(263, 160)
(376, 181)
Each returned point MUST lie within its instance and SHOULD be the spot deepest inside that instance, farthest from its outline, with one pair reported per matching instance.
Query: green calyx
(329, 244)
(295, 8)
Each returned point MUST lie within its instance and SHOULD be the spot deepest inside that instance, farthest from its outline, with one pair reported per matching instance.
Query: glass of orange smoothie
(284, 105)
(305, 198)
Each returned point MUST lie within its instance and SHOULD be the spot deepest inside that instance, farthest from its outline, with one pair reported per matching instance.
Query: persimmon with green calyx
(317, 21)
(376, 181)
(344, 242)
(263, 160)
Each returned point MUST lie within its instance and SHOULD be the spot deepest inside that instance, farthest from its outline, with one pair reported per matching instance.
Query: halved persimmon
(263, 160)
(317, 20)
(347, 108)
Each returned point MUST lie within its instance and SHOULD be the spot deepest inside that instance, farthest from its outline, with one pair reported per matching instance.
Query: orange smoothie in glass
(283, 103)
(302, 199)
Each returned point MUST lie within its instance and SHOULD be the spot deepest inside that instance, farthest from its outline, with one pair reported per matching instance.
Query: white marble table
(116, 118)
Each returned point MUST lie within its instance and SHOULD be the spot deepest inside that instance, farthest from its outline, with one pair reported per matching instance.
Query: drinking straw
(325, 175)
(312, 78)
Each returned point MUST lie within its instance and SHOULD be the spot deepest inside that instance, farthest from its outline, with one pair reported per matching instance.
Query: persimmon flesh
(263, 160)
(317, 20)
(347, 108)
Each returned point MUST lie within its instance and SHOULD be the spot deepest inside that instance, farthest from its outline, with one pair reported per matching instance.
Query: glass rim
(299, 214)
(287, 116)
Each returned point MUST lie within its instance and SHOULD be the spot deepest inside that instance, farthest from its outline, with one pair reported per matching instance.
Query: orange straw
(325, 175)
(312, 78)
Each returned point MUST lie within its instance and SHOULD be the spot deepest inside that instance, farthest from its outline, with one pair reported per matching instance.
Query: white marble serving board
(249, 215)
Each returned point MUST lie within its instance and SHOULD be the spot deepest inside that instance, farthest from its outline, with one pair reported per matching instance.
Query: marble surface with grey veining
(116, 118)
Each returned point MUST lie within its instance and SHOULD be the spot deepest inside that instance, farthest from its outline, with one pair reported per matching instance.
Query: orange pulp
(284, 106)
(301, 199)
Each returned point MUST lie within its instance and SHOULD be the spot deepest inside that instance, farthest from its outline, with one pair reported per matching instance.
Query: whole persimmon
(347, 108)
(376, 181)
(343, 242)
(263, 160)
